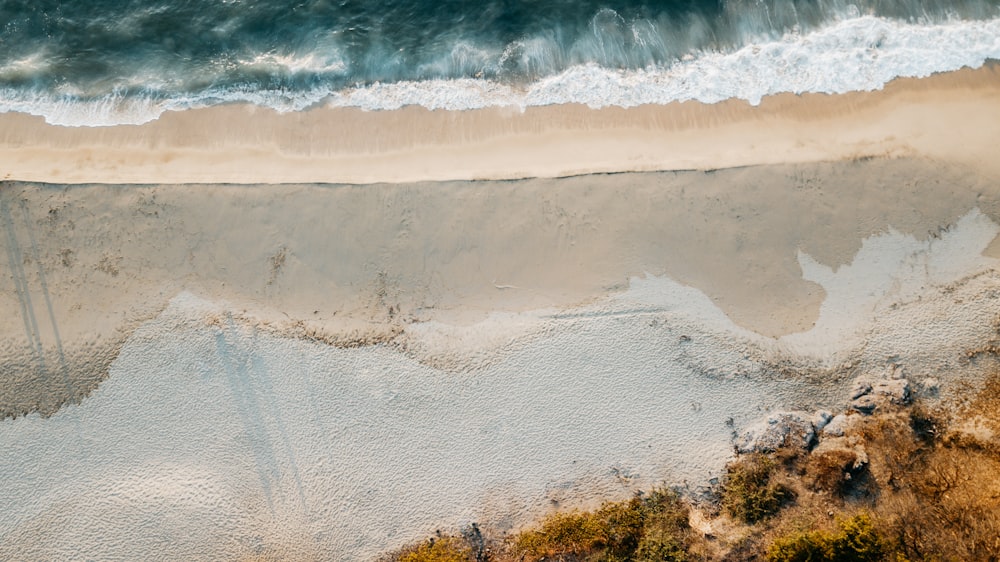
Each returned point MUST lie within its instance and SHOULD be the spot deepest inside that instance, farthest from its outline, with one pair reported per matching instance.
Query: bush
(650, 527)
(562, 533)
(811, 546)
(831, 471)
(893, 449)
(950, 508)
(660, 547)
(749, 492)
(439, 549)
(857, 540)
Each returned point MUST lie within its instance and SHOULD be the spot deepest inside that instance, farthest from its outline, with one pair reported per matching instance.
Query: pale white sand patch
(365, 448)
(890, 267)
(213, 439)
(469, 346)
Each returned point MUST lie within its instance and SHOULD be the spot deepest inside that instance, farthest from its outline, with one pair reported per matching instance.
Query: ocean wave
(858, 53)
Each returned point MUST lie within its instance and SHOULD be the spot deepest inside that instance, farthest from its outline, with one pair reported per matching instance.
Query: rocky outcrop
(866, 397)
(780, 429)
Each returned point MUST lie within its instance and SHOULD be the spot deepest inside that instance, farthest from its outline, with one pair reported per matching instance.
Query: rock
(976, 432)
(896, 391)
(867, 397)
(820, 419)
(862, 457)
(930, 386)
(793, 429)
(856, 450)
(861, 388)
(833, 464)
(865, 405)
(896, 371)
(837, 426)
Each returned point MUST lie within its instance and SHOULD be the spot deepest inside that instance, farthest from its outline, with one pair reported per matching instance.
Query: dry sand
(540, 340)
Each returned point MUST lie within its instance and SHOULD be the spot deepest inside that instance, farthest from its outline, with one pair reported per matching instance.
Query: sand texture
(326, 371)
(943, 116)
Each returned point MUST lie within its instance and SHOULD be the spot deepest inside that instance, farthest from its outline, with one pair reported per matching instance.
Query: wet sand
(943, 117)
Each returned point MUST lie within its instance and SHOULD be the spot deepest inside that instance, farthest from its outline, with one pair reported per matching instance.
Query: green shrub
(440, 549)
(810, 546)
(857, 540)
(660, 547)
(646, 527)
(664, 509)
(664, 528)
(562, 533)
(749, 492)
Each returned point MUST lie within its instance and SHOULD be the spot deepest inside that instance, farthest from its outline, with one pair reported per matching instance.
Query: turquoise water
(126, 61)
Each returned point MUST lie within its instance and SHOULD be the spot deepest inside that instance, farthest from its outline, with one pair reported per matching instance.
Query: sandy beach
(937, 117)
(324, 334)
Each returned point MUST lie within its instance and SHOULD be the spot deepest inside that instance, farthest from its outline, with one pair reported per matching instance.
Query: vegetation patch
(835, 471)
(750, 492)
(438, 549)
(856, 540)
(904, 484)
(651, 526)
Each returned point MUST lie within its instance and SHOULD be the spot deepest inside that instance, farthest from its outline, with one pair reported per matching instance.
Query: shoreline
(246, 144)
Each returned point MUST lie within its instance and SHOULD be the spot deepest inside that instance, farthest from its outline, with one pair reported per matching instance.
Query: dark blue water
(273, 52)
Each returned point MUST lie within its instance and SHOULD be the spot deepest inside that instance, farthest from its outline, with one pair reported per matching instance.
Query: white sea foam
(859, 53)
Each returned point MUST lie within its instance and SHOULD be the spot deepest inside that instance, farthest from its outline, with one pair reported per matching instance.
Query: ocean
(106, 62)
